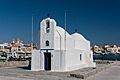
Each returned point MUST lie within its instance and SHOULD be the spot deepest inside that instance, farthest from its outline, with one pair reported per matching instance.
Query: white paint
(64, 58)
(35, 60)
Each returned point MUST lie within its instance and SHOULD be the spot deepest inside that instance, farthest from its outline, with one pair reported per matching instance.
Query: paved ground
(21, 74)
(113, 73)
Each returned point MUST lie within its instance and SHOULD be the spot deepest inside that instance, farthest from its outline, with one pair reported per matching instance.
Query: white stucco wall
(44, 36)
(35, 62)
(65, 52)
(80, 42)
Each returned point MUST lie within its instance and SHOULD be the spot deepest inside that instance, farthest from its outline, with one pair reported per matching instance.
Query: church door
(47, 61)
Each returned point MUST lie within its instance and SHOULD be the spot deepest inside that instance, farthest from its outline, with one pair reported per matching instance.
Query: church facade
(60, 51)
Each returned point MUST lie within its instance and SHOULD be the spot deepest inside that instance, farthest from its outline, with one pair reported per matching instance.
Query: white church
(60, 51)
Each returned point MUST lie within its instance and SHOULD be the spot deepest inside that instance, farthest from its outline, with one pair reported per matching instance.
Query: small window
(47, 43)
(18, 46)
(5, 47)
(19, 49)
(80, 57)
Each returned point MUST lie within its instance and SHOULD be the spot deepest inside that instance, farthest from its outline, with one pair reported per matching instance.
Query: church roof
(62, 31)
(59, 31)
(78, 36)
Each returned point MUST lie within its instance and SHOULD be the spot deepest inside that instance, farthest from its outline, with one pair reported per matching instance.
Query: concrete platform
(113, 73)
(23, 73)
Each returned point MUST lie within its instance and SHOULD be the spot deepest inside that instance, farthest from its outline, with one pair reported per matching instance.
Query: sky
(97, 20)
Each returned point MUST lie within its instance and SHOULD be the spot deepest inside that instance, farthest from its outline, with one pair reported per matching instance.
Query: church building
(59, 50)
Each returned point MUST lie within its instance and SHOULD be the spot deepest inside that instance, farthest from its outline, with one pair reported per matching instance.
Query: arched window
(47, 43)
(47, 25)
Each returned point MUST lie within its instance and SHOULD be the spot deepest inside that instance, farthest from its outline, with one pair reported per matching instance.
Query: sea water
(111, 56)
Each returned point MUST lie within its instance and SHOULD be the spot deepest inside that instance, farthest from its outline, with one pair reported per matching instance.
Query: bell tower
(47, 28)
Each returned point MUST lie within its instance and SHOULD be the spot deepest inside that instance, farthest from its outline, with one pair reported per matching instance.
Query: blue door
(47, 61)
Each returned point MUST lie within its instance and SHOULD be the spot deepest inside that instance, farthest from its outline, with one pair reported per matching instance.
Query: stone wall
(14, 63)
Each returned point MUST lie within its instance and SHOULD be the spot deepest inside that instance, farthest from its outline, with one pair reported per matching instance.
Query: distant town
(16, 49)
(106, 49)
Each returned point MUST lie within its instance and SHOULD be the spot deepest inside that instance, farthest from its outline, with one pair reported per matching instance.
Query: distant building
(20, 50)
(106, 49)
(118, 49)
(60, 51)
(112, 49)
(98, 49)
(3, 48)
